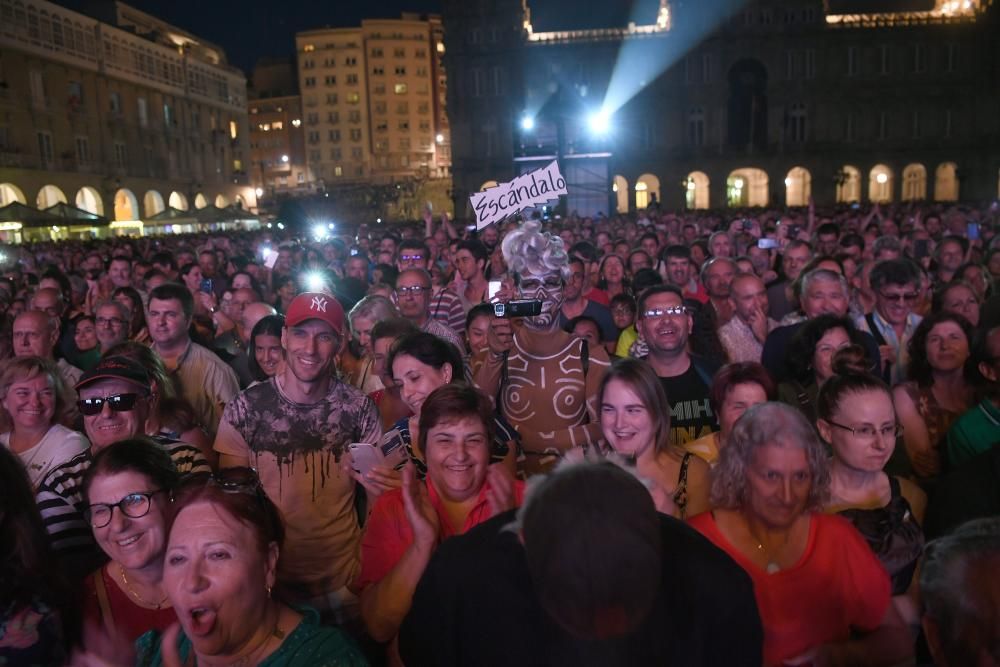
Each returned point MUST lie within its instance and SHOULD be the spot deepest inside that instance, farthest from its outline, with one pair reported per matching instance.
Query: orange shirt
(838, 585)
(388, 534)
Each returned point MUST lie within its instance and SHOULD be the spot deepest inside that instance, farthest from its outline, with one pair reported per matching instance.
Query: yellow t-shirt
(625, 340)
(705, 447)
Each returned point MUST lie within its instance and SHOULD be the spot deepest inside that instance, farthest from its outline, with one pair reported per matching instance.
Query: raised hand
(500, 493)
(420, 512)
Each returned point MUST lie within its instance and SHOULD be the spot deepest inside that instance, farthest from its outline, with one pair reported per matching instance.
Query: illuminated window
(353, 98)
(296, 123)
(309, 47)
(338, 171)
(278, 125)
(400, 88)
(237, 165)
(440, 47)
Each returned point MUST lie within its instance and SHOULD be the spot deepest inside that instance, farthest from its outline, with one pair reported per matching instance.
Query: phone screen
(492, 290)
(972, 231)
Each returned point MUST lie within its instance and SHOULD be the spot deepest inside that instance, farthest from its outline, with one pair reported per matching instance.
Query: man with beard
(545, 378)
(295, 429)
(664, 324)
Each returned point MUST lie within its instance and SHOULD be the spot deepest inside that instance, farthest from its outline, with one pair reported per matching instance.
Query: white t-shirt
(58, 445)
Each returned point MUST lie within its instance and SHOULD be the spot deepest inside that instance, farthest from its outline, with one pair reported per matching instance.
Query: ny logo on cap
(318, 303)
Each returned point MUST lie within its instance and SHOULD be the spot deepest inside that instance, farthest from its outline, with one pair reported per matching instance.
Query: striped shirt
(62, 504)
(447, 307)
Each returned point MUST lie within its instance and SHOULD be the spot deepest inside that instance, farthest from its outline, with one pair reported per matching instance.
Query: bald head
(252, 314)
(35, 334)
(50, 301)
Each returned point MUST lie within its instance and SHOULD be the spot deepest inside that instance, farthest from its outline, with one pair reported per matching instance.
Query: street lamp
(527, 123)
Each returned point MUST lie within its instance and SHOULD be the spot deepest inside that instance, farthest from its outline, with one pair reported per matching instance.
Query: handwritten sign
(525, 191)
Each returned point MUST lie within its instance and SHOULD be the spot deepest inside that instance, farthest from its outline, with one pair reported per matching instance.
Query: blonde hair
(21, 369)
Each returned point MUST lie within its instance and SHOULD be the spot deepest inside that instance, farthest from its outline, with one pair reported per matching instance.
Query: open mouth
(202, 620)
(128, 541)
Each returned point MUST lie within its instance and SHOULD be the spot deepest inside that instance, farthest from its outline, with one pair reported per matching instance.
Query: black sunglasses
(119, 403)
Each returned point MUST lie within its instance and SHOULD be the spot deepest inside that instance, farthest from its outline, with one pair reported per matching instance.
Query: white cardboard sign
(525, 191)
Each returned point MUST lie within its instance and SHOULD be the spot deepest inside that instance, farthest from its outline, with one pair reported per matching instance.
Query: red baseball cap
(316, 306)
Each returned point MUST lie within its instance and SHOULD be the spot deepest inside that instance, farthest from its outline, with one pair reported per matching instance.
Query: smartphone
(747, 225)
(364, 457)
(972, 231)
(354, 251)
(206, 286)
(518, 308)
(920, 249)
(793, 231)
(492, 289)
(855, 206)
(470, 228)
(271, 258)
(767, 244)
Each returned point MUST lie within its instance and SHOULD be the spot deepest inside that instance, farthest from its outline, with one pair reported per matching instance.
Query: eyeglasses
(415, 290)
(134, 505)
(228, 480)
(411, 258)
(119, 403)
(869, 432)
(654, 313)
(533, 284)
(909, 297)
(109, 322)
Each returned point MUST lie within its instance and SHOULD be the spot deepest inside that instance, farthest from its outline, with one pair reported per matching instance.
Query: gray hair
(117, 305)
(375, 307)
(951, 594)
(768, 424)
(890, 243)
(821, 275)
(529, 250)
(715, 260)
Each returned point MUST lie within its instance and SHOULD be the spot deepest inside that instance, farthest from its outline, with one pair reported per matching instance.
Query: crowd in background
(742, 437)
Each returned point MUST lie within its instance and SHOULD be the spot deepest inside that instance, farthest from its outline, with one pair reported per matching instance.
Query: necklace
(772, 564)
(145, 603)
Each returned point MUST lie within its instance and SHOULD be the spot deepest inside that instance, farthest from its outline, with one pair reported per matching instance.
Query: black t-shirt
(691, 415)
(475, 605)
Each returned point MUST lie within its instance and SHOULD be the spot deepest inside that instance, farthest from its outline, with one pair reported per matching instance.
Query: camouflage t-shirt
(296, 449)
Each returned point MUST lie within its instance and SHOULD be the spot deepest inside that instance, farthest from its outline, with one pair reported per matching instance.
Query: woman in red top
(462, 490)
(127, 488)
(823, 596)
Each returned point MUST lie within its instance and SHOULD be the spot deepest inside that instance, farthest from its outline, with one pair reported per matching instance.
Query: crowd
(758, 438)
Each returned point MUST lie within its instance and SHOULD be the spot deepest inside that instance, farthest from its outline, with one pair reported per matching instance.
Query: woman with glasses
(127, 494)
(857, 419)
(224, 541)
(33, 402)
(462, 489)
(937, 391)
(823, 596)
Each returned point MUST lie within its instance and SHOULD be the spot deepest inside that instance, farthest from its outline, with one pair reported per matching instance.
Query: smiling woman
(127, 491)
(225, 539)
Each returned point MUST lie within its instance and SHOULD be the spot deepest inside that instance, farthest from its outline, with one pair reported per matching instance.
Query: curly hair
(802, 348)
(528, 249)
(920, 370)
(774, 424)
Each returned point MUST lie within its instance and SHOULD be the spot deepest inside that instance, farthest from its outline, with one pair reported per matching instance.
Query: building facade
(117, 113)
(764, 106)
(277, 138)
(372, 101)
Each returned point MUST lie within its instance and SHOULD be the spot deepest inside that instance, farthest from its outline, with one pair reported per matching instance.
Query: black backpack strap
(585, 357)
(876, 334)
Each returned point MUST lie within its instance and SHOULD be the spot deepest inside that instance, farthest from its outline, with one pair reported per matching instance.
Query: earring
(268, 589)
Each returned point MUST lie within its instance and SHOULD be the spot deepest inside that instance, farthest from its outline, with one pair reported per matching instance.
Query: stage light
(599, 122)
(527, 123)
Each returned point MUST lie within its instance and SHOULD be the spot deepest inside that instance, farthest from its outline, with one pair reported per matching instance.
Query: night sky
(250, 29)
